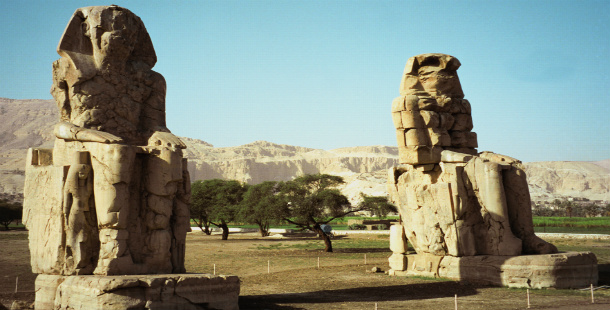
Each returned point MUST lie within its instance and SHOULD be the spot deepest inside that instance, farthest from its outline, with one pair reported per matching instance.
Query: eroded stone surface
(111, 197)
(431, 114)
(467, 214)
(176, 291)
(560, 270)
(116, 192)
(452, 200)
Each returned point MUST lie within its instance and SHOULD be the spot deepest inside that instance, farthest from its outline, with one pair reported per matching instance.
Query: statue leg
(112, 166)
(519, 204)
(486, 178)
(520, 212)
(164, 176)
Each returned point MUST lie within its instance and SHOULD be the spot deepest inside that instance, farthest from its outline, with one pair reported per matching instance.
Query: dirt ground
(283, 273)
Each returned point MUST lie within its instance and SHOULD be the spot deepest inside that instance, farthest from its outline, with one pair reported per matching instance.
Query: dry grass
(343, 281)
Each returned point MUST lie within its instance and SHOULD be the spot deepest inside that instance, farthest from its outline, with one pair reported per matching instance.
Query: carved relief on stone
(452, 200)
(124, 189)
(80, 223)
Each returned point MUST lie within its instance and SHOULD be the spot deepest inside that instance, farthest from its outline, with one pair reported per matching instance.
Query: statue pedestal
(560, 270)
(163, 291)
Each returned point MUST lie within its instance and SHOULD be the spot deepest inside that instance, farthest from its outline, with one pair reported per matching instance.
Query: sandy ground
(279, 273)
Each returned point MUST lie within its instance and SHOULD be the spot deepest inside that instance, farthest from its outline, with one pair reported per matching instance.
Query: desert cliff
(29, 123)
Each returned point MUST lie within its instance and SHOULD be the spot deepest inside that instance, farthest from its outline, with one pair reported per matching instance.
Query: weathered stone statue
(453, 201)
(112, 197)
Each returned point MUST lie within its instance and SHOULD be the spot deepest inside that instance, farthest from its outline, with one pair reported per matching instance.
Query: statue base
(561, 270)
(163, 291)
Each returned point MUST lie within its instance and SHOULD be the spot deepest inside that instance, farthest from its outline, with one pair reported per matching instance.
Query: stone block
(417, 136)
(398, 104)
(174, 291)
(568, 270)
(561, 270)
(412, 119)
(454, 157)
(425, 265)
(400, 137)
(426, 167)
(398, 241)
(39, 157)
(428, 104)
(446, 121)
(398, 262)
(431, 119)
(460, 106)
(397, 119)
(465, 150)
(43, 215)
(439, 137)
(465, 139)
(420, 119)
(462, 122)
(419, 154)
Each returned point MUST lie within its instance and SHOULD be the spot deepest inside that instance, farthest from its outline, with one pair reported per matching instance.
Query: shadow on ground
(604, 274)
(361, 294)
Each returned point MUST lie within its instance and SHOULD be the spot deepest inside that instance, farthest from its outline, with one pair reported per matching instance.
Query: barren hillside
(28, 123)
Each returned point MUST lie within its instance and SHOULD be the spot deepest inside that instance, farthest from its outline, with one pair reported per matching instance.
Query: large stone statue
(453, 201)
(112, 196)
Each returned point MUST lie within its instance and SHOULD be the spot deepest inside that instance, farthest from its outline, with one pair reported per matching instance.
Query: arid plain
(283, 273)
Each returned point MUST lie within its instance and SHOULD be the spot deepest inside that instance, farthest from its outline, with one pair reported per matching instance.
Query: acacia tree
(313, 200)
(216, 202)
(262, 205)
(9, 212)
(199, 206)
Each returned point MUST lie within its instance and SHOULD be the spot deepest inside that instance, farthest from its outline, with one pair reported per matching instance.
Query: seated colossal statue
(453, 200)
(111, 197)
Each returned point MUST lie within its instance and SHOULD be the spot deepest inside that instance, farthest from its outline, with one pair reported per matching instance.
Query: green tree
(200, 205)
(262, 205)
(9, 212)
(568, 207)
(313, 200)
(377, 205)
(606, 210)
(216, 202)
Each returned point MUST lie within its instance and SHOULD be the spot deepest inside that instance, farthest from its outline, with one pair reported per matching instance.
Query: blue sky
(323, 74)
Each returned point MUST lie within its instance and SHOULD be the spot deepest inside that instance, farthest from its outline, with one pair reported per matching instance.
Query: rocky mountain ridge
(29, 123)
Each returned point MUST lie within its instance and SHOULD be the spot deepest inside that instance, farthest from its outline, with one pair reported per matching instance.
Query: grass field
(575, 225)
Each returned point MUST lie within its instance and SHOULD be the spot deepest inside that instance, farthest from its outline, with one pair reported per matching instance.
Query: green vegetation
(307, 202)
(216, 202)
(263, 206)
(9, 212)
(313, 200)
(583, 225)
(569, 208)
(586, 222)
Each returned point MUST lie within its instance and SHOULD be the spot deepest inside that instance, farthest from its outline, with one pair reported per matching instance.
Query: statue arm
(154, 116)
(68, 131)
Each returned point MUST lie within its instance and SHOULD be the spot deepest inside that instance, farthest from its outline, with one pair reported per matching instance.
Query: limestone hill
(29, 123)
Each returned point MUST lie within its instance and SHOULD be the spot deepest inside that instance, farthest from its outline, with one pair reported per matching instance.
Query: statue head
(435, 74)
(106, 38)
